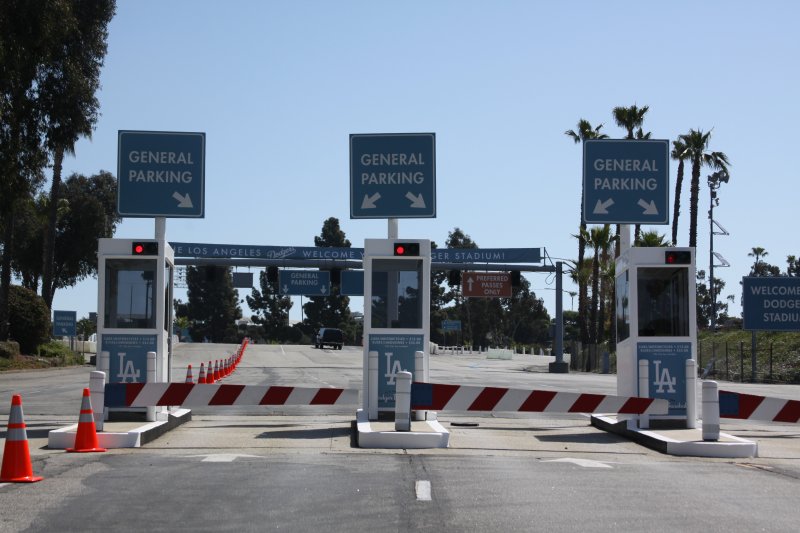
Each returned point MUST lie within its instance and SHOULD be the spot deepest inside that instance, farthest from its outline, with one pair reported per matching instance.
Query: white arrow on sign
(416, 201)
(470, 281)
(649, 208)
(323, 289)
(183, 201)
(601, 208)
(369, 201)
(285, 288)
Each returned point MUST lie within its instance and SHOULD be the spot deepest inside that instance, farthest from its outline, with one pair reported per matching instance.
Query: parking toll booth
(135, 312)
(396, 317)
(657, 329)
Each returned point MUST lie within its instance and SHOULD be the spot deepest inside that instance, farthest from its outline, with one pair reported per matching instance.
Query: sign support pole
(624, 238)
(393, 228)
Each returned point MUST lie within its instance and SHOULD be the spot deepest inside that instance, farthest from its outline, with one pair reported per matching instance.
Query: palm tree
(606, 279)
(631, 118)
(652, 239)
(599, 239)
(696, 151)
(758, 252)
(678, 154)
(584, 132)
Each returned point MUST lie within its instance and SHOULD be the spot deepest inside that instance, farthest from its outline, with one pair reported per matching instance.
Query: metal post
(402, 402)
(393, 230)
(711, 257)
(691, 393)
(710, 411)
(741, 361)
(753, 353)
(624, 238)
(559, 366)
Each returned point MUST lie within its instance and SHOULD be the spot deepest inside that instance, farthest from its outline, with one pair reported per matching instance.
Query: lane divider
(441, 397)
(202, 395)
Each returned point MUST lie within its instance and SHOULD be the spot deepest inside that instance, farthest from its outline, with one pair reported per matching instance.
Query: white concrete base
(63, 438)
(438, 437)
(681, 442)
(728, 446)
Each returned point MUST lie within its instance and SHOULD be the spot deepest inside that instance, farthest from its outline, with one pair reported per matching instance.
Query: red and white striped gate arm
(754, 407)
(439, 397)
(202, 395)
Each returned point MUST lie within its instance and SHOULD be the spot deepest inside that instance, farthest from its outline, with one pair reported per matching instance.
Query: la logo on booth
(392, 369)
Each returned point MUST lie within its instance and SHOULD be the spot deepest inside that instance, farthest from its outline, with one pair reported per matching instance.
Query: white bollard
(151, 378)
(372, 385)
(97, 389)
(104, 362)
(710, 411)
(402, 401)
(691, 393)
(644, 386)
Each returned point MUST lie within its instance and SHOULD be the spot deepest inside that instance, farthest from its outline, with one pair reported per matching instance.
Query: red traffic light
(406, 248)
(675, 257)
(144, 248)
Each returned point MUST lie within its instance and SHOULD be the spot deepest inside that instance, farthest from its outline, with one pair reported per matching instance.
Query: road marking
(586, 463)
(423, 489)
(221, 457)
(282, 352)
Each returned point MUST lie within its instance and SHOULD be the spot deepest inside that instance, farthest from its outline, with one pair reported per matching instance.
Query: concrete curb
(63, 438)
(438, 437)
(686, 442)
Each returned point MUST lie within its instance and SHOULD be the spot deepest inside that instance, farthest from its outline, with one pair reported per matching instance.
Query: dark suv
(332, 337)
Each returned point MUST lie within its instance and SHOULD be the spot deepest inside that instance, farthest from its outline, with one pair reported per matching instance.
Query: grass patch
(777, 355)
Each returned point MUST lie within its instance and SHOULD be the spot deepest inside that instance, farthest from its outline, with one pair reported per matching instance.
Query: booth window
(396, 299)
(663, 302)
(129, 290)
(623, 311)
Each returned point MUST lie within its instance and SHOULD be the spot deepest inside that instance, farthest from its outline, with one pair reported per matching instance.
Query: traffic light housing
(144, 248)
(678, 257)
(272, 274)
(406, 249)
(454, 278)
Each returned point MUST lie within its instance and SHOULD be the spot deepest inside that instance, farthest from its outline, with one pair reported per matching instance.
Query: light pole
(714, 181)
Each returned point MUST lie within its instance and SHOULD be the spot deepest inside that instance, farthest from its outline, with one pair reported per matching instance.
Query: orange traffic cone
(210, 374)
(86, 438)
(189, 377)
(17, 466)
(202, 377)
(216, 370)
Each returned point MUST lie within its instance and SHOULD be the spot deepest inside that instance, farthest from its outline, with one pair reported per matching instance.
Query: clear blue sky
(278, 87)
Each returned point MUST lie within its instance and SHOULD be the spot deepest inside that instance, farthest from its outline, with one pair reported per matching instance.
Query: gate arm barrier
(752, 407)
(202, 395)
(440, 397)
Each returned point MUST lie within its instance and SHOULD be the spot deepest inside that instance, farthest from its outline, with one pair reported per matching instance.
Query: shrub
(9, 350)
(29, 317)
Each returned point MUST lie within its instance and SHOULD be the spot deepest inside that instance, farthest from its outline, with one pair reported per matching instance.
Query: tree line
(521, 319)
(51, 54)
(595, 275)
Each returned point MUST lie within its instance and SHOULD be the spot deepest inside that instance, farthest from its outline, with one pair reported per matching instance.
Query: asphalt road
(297, 469)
